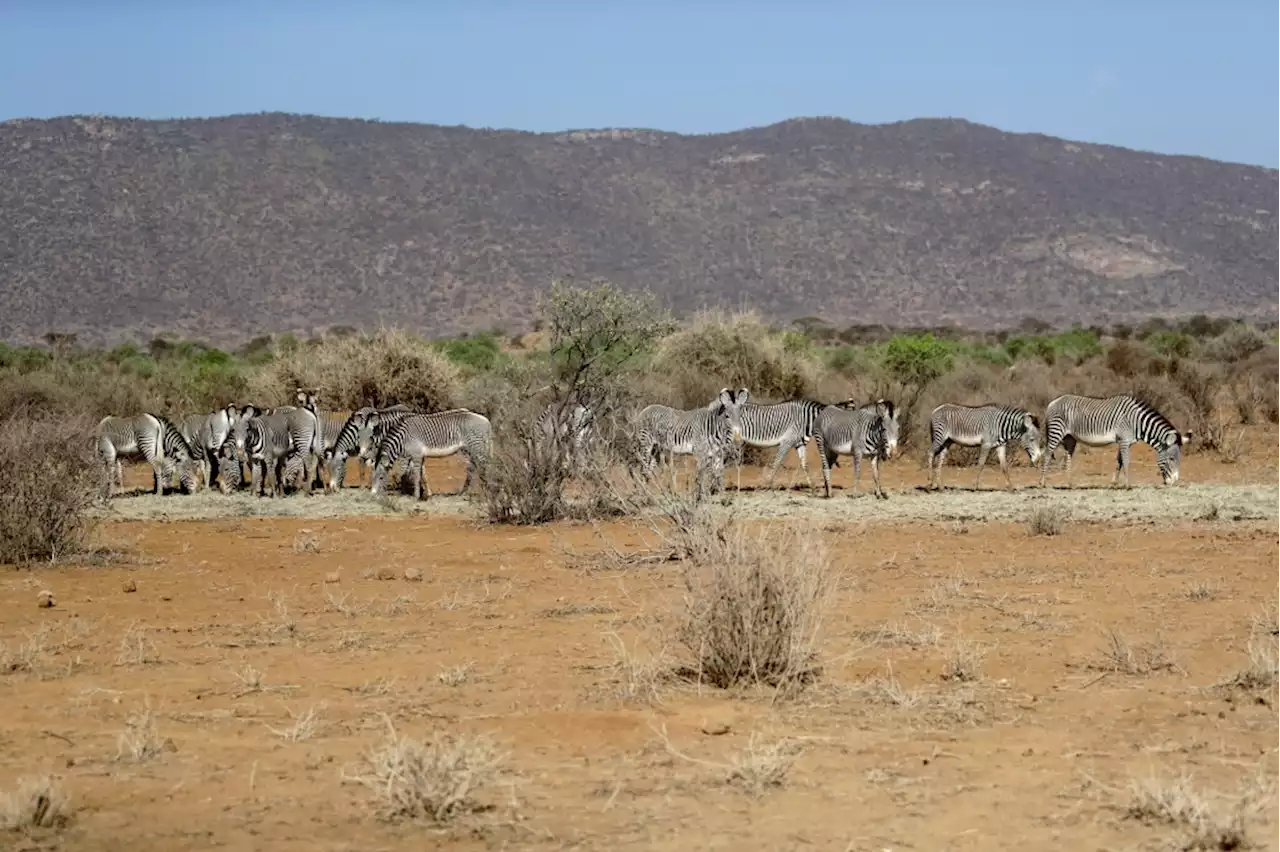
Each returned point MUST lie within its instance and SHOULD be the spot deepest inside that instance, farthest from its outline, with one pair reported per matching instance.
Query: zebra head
(307, 398)
(731, 403)
(889, 419)
(240, 433)
(1032, 440)
(1169, 454)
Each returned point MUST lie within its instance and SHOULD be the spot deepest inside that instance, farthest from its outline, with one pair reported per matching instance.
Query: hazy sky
(1171, 76)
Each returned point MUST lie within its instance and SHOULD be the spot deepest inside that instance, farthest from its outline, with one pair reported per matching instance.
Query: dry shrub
(1128, 358)
(1205, 821)
(1200, 384)
(1255, 388)
(37, 803)
(754, 602)
(435, 781)
(1048, 520)
(715, 350)
(60, 392)
(51, 474)
(1237, 343)
(389, 367)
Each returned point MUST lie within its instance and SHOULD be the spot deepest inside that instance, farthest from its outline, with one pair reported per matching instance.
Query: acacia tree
(597, 336)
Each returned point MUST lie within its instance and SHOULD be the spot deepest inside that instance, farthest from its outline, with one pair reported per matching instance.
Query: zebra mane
(166, 426)
(1148, 407)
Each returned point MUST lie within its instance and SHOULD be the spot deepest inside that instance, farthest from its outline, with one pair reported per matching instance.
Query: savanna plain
(1030, 669)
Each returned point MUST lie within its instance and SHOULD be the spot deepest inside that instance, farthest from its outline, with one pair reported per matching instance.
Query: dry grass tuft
(37, 803)
(140, 740)
(305, 726)
(763, 766)
(456, 675)
(1206, 822)
(435, 781)
(754, 603)
(1048, 520)
(136, 648)
(1120, 656)
(964, 662)
(639, 679)
(51, 480)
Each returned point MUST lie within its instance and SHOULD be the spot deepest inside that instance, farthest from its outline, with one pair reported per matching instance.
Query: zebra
(704, 433)
(568, 427)
(285, 430)
(1119, 420)
(785, 425)
(188, 481)
(329, 425)
(206, 433)
(147, 436)
(360, 435)
(870, 430)
(421, 436)
(986, 426)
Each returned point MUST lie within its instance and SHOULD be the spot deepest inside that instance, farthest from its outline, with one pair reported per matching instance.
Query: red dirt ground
(509, 634)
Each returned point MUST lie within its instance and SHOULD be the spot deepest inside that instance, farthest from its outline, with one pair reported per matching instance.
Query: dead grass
(963, 663)
(51, 478)
(639, 679)
(39, 802)
(140, 740)
(1205, 822)
(1119, 655)
(762, 766)
(305, 725)
(754, 603)
(1048, 520)
(436, 781)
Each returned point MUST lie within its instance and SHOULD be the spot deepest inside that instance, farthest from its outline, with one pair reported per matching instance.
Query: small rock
(165, 598)
(45, 599)
(332, 577)
(386, 574)
(130, 586)
(169, 745)
(715, 728)
(413, 575)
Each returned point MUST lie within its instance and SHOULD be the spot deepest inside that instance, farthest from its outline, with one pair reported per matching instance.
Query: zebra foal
(986, 426)
(1121, 420)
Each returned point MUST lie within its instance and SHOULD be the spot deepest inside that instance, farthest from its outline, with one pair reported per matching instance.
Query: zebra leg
(875, 476)
(1122, 462)
(824, 457)
(1002, 456)
(1051, 443)
(983, 452)
(157, 470)
(857, 471)
(802, 450)
(938, 455)
(1069, 445)
(783, 449)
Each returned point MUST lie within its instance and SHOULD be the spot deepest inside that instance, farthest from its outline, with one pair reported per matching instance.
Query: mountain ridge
(226, 227)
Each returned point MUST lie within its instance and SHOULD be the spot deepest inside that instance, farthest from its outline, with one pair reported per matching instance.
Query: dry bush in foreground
(1048, 520)
(48, 485)
(754, 602)
(1205, 822)
(434, 781)
(36, 803)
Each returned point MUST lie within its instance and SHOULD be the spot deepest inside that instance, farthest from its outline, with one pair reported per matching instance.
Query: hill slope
(221, 228)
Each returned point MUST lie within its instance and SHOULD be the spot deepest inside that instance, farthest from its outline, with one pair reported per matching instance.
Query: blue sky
(1172, 76)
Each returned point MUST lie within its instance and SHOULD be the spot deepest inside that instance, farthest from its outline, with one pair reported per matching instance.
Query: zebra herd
(299, 442)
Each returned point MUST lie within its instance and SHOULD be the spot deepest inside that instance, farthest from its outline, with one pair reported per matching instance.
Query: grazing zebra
(704, 433)
(984, 426)
(785, 425)
(149, 437)
(1120, 420)
(870, 430)
(329, 425)
(206, 433)
(421, 436)
(360, 435)
(265, 439)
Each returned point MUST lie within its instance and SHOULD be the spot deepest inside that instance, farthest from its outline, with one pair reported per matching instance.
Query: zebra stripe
(867, 430)
(1121, 420)
(984, 426)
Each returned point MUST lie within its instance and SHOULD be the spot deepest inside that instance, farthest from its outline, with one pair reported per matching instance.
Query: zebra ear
(1185, 438)
(725, 397)
(743, 395)
(1031, 421)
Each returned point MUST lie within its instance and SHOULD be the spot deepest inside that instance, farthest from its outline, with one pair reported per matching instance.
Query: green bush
(917, 360)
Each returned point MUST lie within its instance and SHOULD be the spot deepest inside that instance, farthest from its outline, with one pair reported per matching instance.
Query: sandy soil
(1101, 654)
